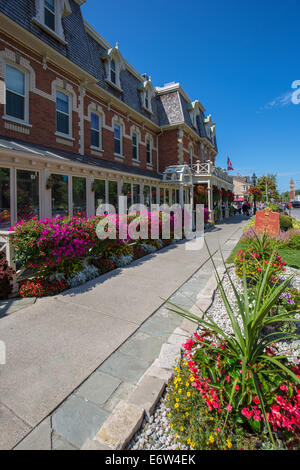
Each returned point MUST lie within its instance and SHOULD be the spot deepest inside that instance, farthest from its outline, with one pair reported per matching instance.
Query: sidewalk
(73, 357)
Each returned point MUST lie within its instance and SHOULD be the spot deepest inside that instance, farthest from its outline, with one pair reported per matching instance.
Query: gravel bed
(155, 433)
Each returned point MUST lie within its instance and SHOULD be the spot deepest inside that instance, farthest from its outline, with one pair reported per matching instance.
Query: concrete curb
(126, 419)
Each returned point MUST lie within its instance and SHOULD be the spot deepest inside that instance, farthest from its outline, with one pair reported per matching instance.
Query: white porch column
(90, 197)
(210, 201)
(181, 202)
(46, 195)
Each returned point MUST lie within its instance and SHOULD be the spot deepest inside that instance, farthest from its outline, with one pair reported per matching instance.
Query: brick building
(242, 184)
(79, 125)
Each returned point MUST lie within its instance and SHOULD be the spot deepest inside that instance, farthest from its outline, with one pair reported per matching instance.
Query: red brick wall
(168, 149)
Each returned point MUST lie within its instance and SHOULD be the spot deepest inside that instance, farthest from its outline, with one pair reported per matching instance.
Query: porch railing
(7, 247)
(208, 168)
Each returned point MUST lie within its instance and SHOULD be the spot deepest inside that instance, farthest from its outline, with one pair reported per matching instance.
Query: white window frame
(97, 130)
(8, 117)
(70, 106)
(31, 170)
(116, 123)
(149, 140)
(135, 133)
(62, 9)
(54, 13)
(113, 54)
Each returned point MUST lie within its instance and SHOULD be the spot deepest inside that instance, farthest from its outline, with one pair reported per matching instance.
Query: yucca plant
(246, 347)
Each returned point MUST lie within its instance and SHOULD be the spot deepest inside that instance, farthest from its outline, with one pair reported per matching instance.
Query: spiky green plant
(247, 344)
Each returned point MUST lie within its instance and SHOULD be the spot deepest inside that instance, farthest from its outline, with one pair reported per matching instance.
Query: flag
(229, 165)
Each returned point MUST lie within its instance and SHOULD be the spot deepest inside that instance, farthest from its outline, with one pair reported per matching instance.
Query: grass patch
(290, 256)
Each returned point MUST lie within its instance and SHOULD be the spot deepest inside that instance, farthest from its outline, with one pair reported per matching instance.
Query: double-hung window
(63, 116)
(135, 146)
(95, 130)
(149, 152)
(117, 139)
(15, 93)
(49, 14)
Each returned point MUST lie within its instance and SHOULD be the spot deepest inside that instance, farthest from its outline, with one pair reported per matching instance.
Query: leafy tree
(268, 186)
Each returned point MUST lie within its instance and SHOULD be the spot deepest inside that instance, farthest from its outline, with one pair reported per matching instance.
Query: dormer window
(114, 64)
(194, 110)
(49, 14)
(209, 127)
(147, 92)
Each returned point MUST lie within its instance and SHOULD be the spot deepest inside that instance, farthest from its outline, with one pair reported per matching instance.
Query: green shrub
(285, 222)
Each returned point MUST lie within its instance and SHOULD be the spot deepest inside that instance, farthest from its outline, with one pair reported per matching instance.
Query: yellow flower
(187, 414)
(229, 445)
(211, 418)
(176, 405)
(193, 444)
(192, 379)
(188, 441)
(177, 400)
(211, 439)
(188, 394)
(187, 384)
(169, 415)
(180, 391)
(182, 429)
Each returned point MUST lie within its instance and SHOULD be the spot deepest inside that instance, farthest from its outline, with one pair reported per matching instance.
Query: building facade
(80, 126)
(241, 185)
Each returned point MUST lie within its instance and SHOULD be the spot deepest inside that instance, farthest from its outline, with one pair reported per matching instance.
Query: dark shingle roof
(86, 52)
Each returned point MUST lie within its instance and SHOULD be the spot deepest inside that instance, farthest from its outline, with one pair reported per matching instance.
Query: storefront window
(126, 191)
(173, 196)
(167, 196)
(5, 221)
(79, 196)
(147, 198)
(153, 195)
(113, 194)
(136, 197)
(59, 195)
(99, 190)
(27, 194)
(161, 196)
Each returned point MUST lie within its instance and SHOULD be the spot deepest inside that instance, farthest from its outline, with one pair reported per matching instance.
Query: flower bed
(68, 249)
(234, 388)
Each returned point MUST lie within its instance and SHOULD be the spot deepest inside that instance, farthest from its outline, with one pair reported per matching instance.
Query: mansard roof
(87, 49)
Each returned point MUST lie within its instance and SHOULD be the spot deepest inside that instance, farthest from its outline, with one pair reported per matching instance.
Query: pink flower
(228, 407)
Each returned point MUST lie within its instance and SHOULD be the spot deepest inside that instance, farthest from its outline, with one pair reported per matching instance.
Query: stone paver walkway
(73, 357)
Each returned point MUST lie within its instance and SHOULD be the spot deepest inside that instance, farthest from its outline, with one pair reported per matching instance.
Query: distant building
(241, 184)
(292, 190)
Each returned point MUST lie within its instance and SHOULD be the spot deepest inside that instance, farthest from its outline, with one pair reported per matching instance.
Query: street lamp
(254, 179)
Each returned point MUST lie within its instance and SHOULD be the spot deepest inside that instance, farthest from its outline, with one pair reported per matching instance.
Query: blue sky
(238, 58)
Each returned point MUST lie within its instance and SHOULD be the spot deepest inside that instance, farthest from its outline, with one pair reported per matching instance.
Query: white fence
(8, 248)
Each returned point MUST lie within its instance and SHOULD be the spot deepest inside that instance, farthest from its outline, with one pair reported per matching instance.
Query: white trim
(62, 9)
(69, 114)
(7, 58)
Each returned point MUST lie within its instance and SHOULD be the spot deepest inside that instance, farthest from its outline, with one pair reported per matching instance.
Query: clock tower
(292, 190)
